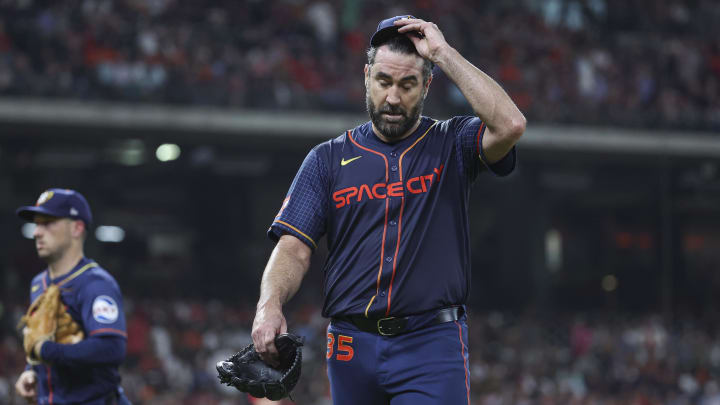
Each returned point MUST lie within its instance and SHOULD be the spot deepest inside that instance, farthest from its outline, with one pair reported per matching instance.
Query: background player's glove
(40, 321)
(248, 373)
(47, 319)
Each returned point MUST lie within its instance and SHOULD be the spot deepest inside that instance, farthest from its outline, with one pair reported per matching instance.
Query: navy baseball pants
(428, 366)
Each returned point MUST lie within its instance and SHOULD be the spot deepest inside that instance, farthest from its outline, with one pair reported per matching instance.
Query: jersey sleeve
(102, 308)
(304, 209)
(470, 132)
(94, 350)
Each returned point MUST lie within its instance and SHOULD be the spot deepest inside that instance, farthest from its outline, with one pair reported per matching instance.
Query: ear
(367, 74)
(78, 228)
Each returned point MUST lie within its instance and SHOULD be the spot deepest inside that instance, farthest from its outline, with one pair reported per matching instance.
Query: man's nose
(38, 231)
(393, 96)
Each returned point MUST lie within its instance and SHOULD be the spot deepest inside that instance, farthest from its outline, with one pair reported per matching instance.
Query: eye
(384, 83)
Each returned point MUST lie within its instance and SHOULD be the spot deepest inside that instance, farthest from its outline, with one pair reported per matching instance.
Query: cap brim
(28, 213)
(383, 35)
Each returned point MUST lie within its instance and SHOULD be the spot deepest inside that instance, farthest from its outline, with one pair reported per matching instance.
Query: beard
(393, 130)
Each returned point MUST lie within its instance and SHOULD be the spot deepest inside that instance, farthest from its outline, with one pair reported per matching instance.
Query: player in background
(392, 197)
(85, 372)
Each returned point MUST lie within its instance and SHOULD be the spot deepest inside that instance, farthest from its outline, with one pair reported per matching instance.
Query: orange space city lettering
(414, 185)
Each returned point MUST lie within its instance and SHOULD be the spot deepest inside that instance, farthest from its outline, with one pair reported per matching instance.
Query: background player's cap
(58, 202)
(386, 30)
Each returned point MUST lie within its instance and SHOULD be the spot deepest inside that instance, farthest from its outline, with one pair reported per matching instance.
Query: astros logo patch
(104, 309)
(44, 197)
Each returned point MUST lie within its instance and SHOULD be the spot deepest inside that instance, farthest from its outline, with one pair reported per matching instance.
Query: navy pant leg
(430, 367)
(352, 367)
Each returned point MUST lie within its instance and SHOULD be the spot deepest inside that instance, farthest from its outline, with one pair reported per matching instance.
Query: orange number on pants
(345, 351)
(343, 347)
(331, 343)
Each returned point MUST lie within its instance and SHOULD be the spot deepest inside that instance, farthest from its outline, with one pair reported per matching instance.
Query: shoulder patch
(105, 309)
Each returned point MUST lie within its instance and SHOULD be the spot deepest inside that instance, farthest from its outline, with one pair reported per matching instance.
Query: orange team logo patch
(282, 208)
(44, 197)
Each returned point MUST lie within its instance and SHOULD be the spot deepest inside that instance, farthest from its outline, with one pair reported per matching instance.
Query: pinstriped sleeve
(304, 209)
(470, 132)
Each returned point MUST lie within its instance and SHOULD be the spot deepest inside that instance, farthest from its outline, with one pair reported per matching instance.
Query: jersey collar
(83, 265)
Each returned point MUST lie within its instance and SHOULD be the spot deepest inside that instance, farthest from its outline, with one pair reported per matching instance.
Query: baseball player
(392, 195)
(85, 372)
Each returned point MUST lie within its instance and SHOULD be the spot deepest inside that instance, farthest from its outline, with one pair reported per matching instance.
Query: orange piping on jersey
(397, 250)
(402, 206)
(480, 131)
(108, 330)
(462, 351)
(298, 231)
(382, 248)
(387, 202)
(369, 304)
(49, 381)
(382, 255)
(45, 276)
(349, 134)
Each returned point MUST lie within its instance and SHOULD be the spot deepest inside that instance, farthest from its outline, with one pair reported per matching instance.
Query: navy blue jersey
(92, 298)
(395, 216)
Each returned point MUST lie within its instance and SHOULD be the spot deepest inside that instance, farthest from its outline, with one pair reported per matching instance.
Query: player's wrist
(270, 304)
(444, 56)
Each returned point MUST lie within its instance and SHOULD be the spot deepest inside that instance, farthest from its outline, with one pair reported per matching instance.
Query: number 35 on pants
(344, 350)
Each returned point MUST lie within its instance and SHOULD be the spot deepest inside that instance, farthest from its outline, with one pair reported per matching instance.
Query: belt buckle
(380, 328)
(396, 326)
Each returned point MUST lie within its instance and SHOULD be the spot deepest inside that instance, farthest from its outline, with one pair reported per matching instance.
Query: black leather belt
(392, 326)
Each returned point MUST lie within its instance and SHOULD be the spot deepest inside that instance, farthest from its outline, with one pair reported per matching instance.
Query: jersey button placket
(391, 241)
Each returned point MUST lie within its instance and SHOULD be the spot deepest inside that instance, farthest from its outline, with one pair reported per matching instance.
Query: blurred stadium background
(596, 267)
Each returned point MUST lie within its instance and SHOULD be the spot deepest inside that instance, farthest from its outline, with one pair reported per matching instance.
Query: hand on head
(430, 41)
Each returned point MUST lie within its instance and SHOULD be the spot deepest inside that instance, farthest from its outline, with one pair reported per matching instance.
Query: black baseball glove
(248, 373)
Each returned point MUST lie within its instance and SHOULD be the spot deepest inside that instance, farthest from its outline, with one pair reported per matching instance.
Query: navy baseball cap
(386, 30)
(58, 202)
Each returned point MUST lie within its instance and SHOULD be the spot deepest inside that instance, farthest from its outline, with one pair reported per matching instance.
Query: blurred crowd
(611, 62)
(531, 359)
(601, 360)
